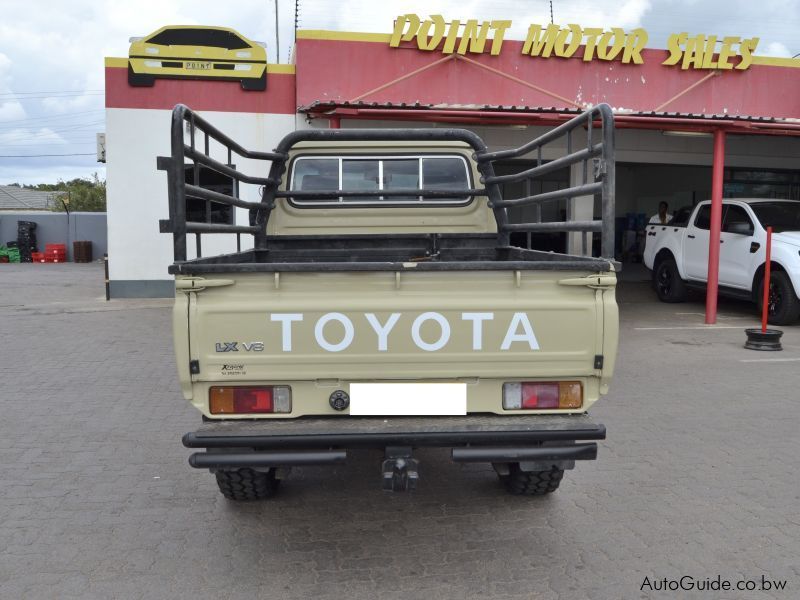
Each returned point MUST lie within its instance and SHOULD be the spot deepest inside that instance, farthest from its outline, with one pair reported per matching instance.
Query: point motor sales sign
(478, 37)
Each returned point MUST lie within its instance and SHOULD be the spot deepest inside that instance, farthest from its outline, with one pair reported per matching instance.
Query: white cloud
(69, 104)
(777, 49)
(42, 170)
(5, 69)
(11, 111)
(23, 136)
(10, 108)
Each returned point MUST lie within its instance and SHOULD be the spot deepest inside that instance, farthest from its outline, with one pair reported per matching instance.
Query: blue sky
(51, 52)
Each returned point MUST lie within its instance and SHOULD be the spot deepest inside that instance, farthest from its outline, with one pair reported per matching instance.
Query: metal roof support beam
(711, 75)
(404, 77)
(472, 62)
(521, 82)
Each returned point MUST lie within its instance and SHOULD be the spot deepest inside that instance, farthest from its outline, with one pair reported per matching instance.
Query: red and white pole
(767, 275)
(716, 226)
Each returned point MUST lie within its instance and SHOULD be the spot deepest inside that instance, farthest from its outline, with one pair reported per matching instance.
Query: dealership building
(680, 114)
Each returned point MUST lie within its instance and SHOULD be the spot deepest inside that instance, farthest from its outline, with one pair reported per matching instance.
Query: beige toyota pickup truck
(386, 299)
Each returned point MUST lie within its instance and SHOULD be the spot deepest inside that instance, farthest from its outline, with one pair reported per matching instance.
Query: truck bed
(432, 252)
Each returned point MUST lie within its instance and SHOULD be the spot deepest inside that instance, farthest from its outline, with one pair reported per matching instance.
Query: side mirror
(740, 228)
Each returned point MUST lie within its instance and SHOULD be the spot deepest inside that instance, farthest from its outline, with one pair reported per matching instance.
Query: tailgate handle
(593, 281)
(195, 284)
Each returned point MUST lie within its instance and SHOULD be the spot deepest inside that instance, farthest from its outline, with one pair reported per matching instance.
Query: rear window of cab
(348, 172)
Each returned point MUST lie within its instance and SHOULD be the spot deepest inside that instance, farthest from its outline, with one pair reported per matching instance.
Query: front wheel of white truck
(667, 281)
(531, 483)
(784, 305)
(247, 484)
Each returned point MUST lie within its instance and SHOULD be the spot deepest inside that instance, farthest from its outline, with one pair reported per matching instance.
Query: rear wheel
(668, 283)
(247, 484)
(532, 483)
(783, 304)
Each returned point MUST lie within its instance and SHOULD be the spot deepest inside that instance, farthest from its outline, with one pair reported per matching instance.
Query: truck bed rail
(596, 158)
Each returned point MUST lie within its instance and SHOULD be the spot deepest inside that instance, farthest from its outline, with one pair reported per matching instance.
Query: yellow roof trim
(114, 61)
(344, 36)
(774, 61)
(280, 69)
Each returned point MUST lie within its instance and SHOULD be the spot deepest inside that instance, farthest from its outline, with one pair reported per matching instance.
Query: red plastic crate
(37, 257)
(55, 256)
(55, 247)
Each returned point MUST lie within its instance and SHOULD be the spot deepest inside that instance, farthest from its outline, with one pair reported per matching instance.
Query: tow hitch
(400, 470)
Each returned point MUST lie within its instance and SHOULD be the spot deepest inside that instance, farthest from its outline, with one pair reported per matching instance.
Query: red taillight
(539, 395)
(529, 395)
(249, 400)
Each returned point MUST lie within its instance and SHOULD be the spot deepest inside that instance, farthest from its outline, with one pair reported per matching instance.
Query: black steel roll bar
(597, 180)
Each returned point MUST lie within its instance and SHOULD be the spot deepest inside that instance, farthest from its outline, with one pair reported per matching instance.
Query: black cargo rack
(596, 157)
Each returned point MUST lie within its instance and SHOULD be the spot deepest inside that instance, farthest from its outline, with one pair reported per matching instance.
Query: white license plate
(408, 399)
(198, 66)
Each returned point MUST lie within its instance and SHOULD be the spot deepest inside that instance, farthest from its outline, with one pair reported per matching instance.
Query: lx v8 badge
(234, 346)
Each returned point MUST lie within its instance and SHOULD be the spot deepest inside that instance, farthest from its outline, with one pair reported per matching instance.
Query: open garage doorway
(640, 190)
(642, 187)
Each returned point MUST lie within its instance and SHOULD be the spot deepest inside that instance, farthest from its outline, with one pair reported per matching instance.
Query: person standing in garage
(662, 216)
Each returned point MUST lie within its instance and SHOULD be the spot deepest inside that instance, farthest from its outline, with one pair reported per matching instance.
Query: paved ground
(698, 476)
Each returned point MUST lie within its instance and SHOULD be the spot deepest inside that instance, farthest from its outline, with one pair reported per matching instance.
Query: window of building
(762, 183)
(314, 173)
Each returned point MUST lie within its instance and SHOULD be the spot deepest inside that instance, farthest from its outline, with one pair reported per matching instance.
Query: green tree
(86, 195)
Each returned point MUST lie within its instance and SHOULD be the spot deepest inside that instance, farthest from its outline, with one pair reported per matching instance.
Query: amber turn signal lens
(570, 394)
(220, 400)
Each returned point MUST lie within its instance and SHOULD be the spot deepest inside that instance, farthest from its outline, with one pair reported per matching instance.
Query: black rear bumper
(324, 440)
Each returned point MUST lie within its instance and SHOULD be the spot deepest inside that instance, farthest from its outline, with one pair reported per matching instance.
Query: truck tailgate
(362, 326)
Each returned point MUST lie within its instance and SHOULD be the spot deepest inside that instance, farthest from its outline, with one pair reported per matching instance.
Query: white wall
(137, 192)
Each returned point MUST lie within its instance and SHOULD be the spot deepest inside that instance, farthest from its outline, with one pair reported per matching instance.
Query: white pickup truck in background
(677, 253)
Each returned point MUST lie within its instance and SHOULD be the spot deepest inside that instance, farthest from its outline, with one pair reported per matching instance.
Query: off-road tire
(784, 304)
(247, 484)
(668, 283)
(532, 483)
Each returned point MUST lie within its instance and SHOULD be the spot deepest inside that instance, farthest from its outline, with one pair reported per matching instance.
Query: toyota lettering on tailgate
(518, 331)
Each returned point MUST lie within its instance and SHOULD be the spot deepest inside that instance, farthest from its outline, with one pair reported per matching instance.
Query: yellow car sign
(197, 52)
